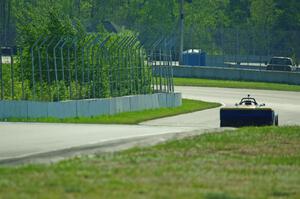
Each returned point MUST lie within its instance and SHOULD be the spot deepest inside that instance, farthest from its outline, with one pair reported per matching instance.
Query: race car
(248, 113)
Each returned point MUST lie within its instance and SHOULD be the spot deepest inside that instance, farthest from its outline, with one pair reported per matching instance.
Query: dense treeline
(151, 18)
(6, 28)
(236, 28)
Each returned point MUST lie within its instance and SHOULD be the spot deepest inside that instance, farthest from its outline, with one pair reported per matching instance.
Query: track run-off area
(23, 142)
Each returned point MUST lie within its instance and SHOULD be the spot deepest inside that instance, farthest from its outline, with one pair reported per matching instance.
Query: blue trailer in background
(194, 57)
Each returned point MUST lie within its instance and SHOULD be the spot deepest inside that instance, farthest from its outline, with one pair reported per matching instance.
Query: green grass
(234, 84)
(130, 117)
(246, 163)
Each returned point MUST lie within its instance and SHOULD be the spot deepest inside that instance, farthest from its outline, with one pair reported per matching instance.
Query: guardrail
(237, 74)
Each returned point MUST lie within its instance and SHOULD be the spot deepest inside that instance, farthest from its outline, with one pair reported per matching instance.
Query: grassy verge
(235, 84)
(247, 163)
(131, 117)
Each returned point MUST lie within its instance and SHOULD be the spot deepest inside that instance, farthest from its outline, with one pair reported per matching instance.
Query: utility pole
(181, 27)
(181, 30)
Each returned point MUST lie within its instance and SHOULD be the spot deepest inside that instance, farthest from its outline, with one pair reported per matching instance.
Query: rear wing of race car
(238, 117)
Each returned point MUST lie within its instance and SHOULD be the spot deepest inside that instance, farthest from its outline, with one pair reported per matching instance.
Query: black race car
(247, 113)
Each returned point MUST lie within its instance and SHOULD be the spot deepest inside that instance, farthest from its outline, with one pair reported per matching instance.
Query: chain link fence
(243, 47)
(55, 69)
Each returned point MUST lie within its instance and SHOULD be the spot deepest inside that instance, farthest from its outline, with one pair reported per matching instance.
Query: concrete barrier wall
(237, 74)
(219, 60)
(89, 107)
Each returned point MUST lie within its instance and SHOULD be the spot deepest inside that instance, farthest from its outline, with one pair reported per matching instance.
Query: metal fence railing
(66, 68)
(161, 58)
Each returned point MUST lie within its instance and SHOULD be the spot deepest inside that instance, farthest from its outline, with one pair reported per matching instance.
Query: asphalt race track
(286, 104)
(19, 140)
(23, 142)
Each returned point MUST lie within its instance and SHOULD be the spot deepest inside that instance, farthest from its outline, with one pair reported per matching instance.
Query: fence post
(109, 56)
(47, 60)
(171, 73)
(124, 62)
(62, 59)
(55, 68)
(40, 65)
(135, 67)
(167, 65)
(89, 64)
(93, 65)
(12, 73)
(33, 69)
(86, 44)
(1, 75)
(153, 66)
(69, 72)
(48, 66)
(22, 71)
(128, 48)
(139, 68)
(160, 69)
(74, 44)
(127, 63)
(98, 63)
(121, 70)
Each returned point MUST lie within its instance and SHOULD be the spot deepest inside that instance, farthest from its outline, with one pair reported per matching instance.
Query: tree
(238, 12)
(289, 15)
(5, 22)
(264, 13)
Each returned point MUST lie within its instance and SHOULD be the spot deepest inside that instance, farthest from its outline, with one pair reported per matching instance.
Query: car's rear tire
(276, 120)
(221, 124)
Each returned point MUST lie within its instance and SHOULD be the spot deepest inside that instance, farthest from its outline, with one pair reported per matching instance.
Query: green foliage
(264, 13)
(74, 72)
(153, 19)
(77, 73)
(157, 17)
(7, 32)
(205, 22)
(45, 19)
(212, 15)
